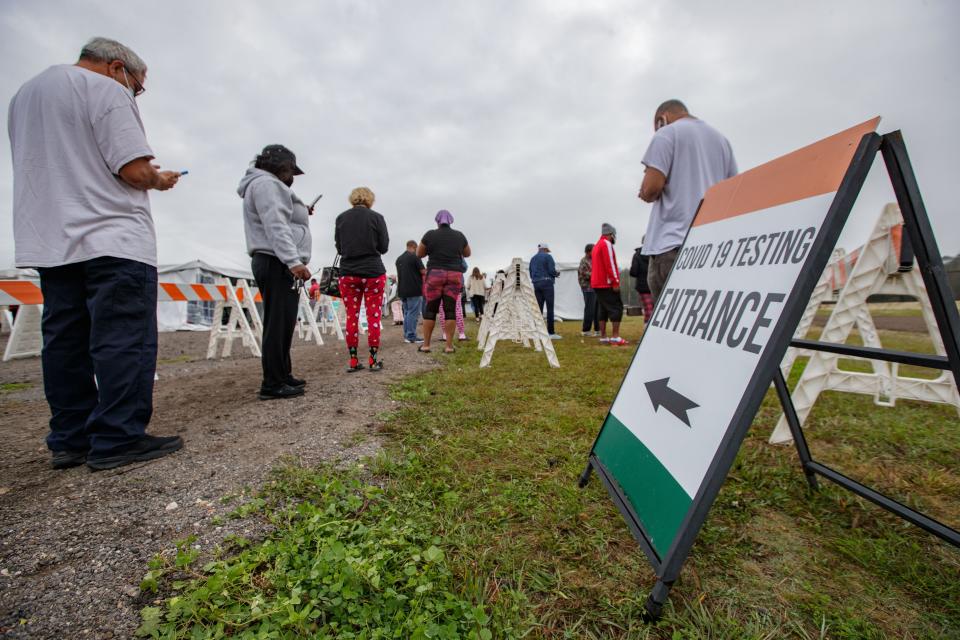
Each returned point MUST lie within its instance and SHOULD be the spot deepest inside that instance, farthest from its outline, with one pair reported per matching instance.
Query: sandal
(356, 368)
(376, 366)
(422, 350)
(449, 350)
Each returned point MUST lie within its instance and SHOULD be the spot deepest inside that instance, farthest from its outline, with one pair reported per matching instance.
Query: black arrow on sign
(675, 403)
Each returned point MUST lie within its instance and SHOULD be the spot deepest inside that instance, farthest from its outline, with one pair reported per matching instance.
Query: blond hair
(361, 196)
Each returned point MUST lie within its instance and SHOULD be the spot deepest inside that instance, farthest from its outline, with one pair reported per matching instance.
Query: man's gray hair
(107, 50)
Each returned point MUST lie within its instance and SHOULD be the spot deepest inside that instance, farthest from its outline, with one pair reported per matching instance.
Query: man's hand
(141, 174)
(166, 179)
(300, 272)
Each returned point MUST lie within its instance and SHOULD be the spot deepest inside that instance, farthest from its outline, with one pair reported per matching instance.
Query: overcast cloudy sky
(525, 119)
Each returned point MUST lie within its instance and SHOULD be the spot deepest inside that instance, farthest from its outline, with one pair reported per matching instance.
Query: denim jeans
(99, 319)
(544, 293)
(412, 309)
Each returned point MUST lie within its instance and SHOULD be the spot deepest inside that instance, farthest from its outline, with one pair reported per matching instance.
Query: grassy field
(471, 525)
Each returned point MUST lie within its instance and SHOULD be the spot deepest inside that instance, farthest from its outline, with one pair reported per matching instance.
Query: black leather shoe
(146, 448)
(295, 382)
(67, 459)
(283, 391)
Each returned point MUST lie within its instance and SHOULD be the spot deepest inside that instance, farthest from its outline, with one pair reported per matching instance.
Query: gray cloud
(527, 120)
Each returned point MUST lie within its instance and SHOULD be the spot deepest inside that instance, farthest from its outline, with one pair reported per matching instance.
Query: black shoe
(146, 448)
(67, 459)
(295, 382)
(283, 391)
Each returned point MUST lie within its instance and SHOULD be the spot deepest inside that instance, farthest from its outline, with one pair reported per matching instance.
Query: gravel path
(74, 544)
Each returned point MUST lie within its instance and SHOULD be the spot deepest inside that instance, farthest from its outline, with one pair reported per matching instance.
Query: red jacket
(605, 274)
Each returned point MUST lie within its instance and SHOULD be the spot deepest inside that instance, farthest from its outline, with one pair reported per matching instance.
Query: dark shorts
(609, 305)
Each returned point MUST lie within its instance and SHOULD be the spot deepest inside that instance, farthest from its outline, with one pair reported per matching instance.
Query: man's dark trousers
(280, 302)
(544, 292)
(99, 319)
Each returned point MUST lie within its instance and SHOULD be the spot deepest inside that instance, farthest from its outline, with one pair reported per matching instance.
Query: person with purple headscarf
(446, 248)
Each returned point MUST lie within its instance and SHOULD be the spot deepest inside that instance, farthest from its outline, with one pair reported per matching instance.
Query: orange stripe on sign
(896, 239)
(24, 291)
(811, 171)
(173, 291)
(202, 292)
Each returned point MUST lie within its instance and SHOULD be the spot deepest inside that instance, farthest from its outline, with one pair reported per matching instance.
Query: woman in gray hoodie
(277, 227)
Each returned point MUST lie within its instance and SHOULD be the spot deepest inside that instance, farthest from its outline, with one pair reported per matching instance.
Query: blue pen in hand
(184, 172)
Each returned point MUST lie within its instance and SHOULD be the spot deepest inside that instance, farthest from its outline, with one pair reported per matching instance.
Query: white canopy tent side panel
(568, 298)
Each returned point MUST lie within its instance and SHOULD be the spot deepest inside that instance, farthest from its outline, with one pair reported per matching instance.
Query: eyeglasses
(138, 89)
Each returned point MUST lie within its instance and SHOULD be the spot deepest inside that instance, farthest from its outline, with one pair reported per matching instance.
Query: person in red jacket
(605, 281)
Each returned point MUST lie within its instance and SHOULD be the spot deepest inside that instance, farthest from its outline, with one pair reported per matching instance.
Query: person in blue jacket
(543, 271)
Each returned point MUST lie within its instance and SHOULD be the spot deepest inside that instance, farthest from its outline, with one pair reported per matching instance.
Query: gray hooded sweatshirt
(275, 220)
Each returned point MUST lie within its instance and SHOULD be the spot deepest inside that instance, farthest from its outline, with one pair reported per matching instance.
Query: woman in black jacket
(361, 238)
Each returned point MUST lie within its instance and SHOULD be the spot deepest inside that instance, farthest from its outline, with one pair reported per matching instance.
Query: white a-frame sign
(728, 311)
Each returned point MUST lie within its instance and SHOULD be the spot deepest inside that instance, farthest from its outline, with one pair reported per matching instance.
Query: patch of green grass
(484, 464)
(8, 387)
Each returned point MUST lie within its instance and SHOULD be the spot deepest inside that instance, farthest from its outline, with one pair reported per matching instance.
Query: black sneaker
(67, 459)
(283, 391)
(295, 382)
(146, 448)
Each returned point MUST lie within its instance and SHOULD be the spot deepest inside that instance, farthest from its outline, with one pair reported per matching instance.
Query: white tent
(568, 298)
(175, 316)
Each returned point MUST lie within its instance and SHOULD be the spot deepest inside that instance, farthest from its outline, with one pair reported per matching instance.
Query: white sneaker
(556, 336)
(604, 340)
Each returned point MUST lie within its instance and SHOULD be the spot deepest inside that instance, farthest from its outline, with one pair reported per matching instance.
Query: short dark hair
(411, 243)
(671, 106)
(588, 248)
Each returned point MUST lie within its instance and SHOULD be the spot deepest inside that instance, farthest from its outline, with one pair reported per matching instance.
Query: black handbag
(330, 279)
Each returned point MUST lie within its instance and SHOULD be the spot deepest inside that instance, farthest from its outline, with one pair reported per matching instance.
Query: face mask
(126, 82)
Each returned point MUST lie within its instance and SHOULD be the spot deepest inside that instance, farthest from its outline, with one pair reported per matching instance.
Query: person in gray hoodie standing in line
(277, 227)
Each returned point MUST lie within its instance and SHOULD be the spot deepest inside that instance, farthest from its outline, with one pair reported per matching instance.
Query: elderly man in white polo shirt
(81, 216)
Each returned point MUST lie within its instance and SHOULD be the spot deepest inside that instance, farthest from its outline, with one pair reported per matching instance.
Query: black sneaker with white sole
(146, 448)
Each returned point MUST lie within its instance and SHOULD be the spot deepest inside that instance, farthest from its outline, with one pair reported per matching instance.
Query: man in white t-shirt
(81, 216)
(686, 156)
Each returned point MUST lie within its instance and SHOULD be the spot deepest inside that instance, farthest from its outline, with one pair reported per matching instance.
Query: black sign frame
(923, 243)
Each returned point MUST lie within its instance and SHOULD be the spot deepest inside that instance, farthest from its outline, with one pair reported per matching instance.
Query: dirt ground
(75, 544)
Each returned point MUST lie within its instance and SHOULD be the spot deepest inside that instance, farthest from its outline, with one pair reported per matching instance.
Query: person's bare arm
(421, 250)
(466, 251)
(652, 186)
(143, 175)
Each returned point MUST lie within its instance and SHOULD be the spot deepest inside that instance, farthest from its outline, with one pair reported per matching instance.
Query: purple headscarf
(444, 217)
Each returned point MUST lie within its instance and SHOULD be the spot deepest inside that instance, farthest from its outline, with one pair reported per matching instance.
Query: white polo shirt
(71, 130)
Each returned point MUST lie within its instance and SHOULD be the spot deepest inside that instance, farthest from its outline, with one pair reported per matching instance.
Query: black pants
(280, 302)
(99, 319)
(590, 311)
(544, 293)
(477, 302)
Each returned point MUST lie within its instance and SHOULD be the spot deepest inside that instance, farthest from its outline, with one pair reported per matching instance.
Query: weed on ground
(471, 525)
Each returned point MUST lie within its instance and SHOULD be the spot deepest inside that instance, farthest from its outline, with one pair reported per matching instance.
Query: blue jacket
(543, 269)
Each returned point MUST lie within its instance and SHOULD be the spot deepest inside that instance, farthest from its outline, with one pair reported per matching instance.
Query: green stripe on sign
(656, 497)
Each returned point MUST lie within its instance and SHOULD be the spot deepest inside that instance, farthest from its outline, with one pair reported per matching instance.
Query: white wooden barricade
(237, 325)
(516, 316)
(876, 271)
(307, 327)
(327, 316)
(26, 340)
(6, 320)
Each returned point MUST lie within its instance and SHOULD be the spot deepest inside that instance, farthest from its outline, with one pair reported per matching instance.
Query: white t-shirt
(71, 130)
(693, 156)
